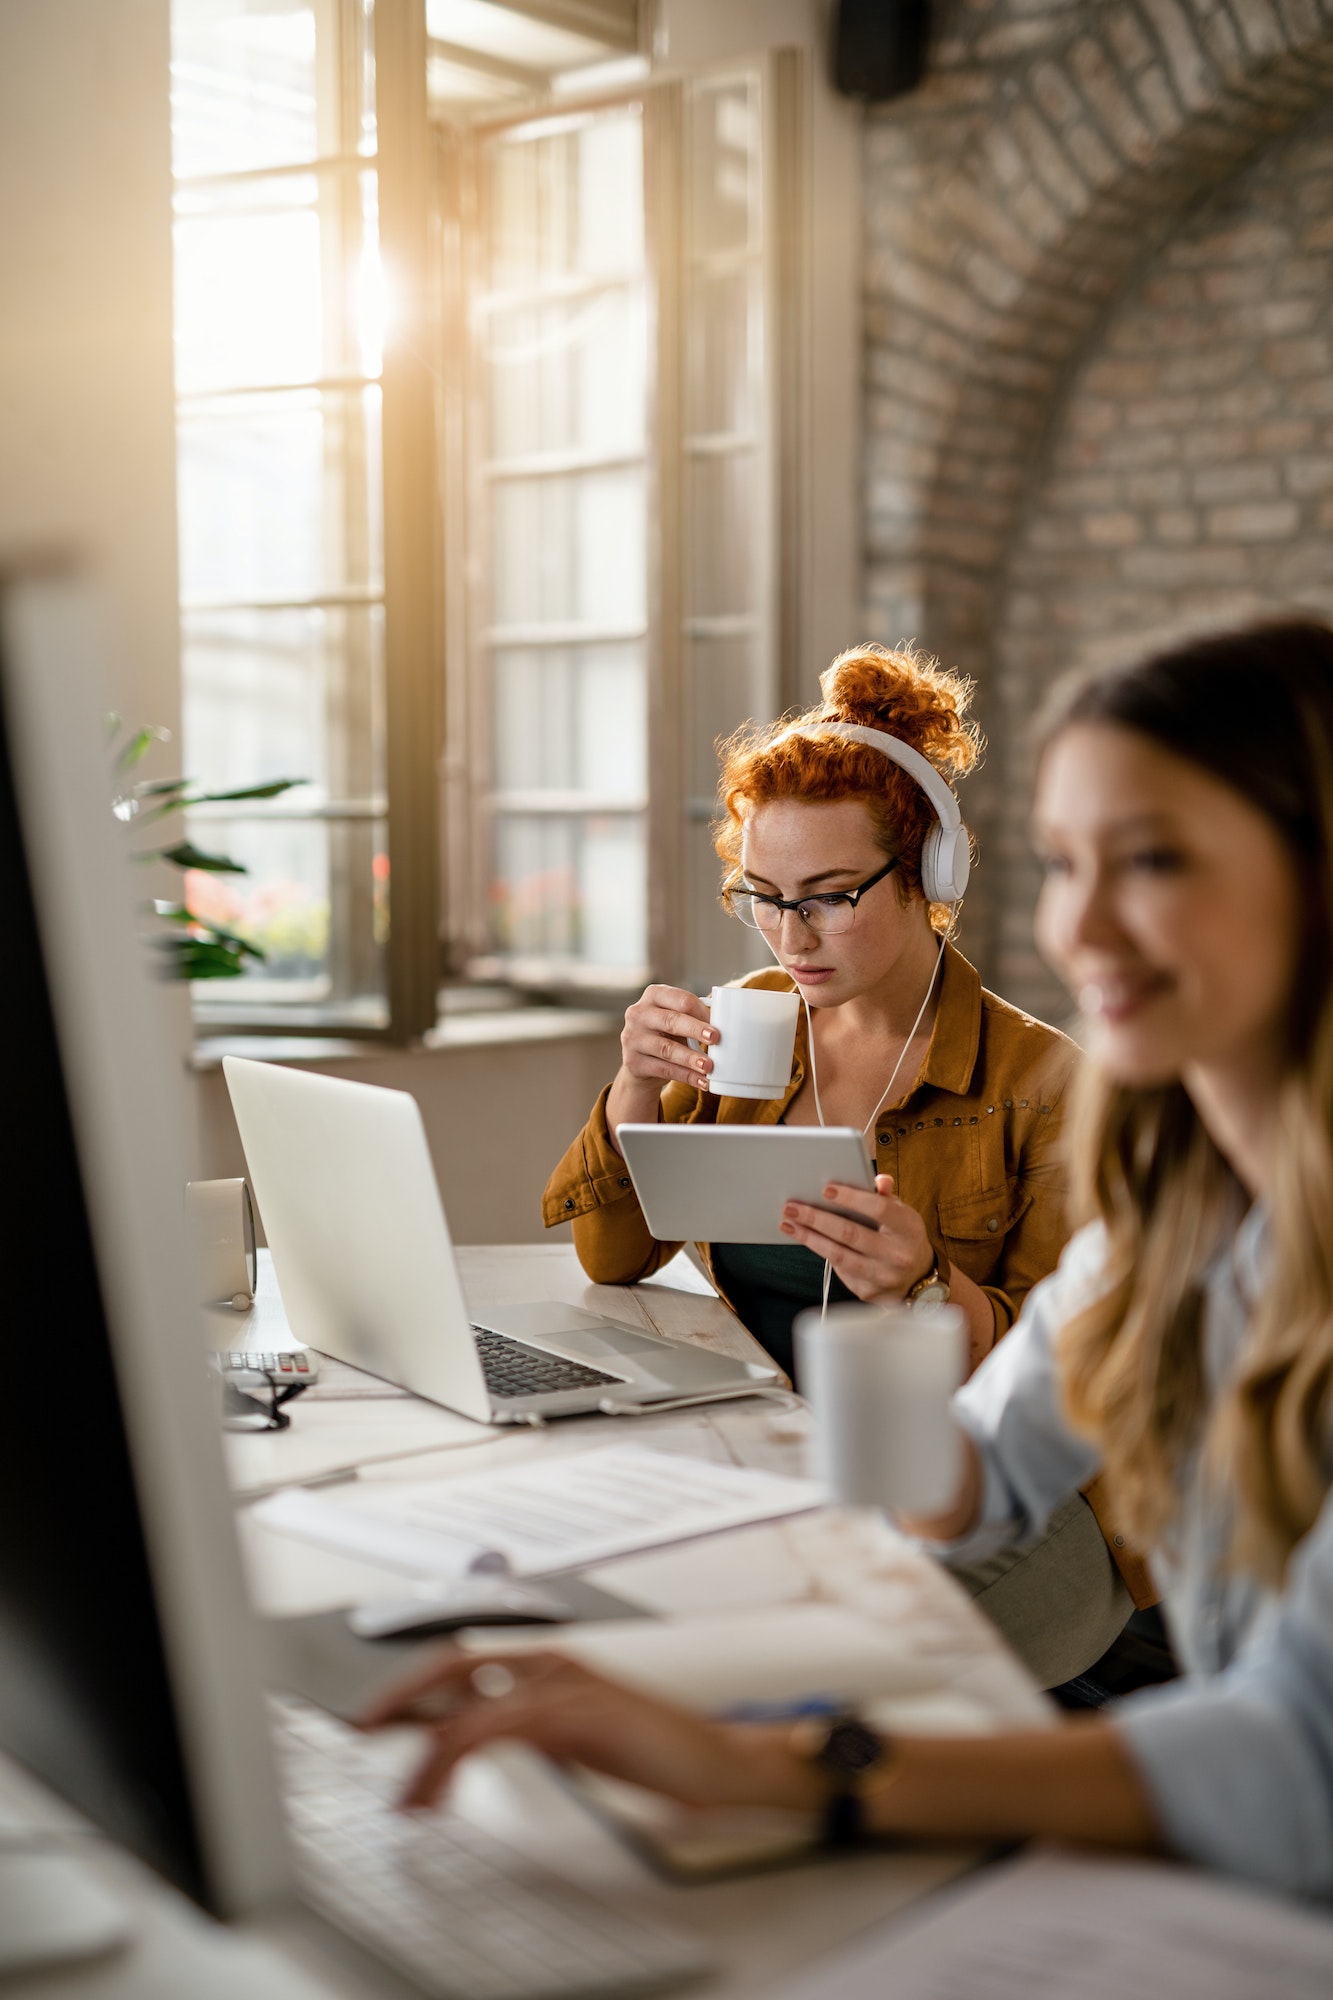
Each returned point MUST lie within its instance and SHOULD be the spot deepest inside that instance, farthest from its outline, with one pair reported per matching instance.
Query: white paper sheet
(530, 1518)
(1058, 1926)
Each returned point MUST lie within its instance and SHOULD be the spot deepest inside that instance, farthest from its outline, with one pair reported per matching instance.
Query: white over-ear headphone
(946, 859)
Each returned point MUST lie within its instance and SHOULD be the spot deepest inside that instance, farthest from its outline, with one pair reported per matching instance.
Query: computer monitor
(129, 1669)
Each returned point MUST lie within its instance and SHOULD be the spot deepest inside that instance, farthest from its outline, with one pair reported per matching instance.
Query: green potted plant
(195, 947)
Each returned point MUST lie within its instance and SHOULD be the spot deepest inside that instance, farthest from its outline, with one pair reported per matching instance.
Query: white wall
(87, 452)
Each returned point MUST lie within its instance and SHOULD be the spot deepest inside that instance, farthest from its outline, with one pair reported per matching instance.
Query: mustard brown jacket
(973, 1147)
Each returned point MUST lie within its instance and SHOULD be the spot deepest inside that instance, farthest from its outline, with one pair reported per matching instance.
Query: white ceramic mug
(757, 1031)
(878, 1380)
(220, 1218)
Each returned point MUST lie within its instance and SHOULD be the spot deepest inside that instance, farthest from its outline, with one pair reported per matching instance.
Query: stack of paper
(533, 1519)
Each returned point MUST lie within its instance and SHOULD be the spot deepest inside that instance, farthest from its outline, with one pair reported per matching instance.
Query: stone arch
(1009, 203)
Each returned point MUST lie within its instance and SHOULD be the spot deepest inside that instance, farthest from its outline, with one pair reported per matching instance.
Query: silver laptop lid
(346, 1190)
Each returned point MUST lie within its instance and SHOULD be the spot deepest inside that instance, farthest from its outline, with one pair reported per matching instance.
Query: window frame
(670, 812)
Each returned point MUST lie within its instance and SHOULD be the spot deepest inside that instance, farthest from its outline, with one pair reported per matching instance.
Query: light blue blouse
(1238, 1755)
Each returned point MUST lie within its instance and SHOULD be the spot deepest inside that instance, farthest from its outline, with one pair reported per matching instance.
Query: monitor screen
(86, 1698)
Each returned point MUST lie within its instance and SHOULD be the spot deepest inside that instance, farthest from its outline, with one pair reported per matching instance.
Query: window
(614, 523)
(486, 372)
(279, 314)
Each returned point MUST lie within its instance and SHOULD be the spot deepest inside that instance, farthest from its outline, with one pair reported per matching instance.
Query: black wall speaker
(879, 47)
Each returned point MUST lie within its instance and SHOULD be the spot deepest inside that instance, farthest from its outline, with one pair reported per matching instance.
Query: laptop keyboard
(511, 1369)
(462, 1914)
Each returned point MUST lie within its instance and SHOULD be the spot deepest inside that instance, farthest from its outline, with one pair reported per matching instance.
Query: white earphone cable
(888, 1088)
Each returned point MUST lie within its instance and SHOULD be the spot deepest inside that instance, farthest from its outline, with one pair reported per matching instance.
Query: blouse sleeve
(1011, 1409)
(1240, 1767)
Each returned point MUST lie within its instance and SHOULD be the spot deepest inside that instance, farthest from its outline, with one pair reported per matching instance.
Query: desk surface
(764, 1927)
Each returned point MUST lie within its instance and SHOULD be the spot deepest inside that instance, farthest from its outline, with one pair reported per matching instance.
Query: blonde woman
(1185, 1345)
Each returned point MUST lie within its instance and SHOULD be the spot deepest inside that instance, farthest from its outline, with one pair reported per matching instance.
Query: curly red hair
(899, 690)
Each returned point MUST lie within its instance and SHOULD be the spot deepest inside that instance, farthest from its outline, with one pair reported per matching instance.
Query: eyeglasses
(244, 1407)
(825, 914)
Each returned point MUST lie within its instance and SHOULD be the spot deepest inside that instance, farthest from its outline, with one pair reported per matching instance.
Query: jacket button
(902, 1131)
(569, 1204)
(957, 1121)
(884, 1138)
(1119, 1541)
(1008, 1103)
(992, 1223)
(624, 1180)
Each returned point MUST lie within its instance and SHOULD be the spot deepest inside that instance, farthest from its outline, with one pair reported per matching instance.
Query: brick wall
(1190, 475)
(1025, 213)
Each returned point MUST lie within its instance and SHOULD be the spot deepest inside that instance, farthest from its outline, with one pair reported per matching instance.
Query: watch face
(850, 1748)
(934, 1294)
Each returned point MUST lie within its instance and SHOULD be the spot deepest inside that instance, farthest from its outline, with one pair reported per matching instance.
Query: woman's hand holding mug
(655, 1050)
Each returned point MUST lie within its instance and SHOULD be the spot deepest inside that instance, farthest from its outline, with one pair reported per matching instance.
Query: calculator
(290, 1365)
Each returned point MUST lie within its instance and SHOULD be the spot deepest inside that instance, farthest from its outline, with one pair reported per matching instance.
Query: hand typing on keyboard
(577, 1716)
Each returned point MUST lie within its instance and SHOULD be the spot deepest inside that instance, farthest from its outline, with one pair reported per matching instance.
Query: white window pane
(571, 720)
(723, 528)
(277, 281)
(724, 348)
(613, 885)
(307, 882)
(535, 890)
(570, 888)
(243, 84)
(568, 203)
(286, 694)
(726, 689)
(724, 142)
(568, 377)
(570, 550)
(279, 496)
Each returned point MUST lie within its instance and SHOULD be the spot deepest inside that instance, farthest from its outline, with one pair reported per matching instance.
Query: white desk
(764, 1927)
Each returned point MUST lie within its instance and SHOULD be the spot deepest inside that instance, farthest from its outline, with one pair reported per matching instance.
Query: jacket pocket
(983, 1219)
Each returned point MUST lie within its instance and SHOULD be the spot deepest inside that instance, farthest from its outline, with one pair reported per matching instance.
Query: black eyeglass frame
(801, 903)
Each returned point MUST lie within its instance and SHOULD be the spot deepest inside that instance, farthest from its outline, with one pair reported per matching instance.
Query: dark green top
(768, 1284)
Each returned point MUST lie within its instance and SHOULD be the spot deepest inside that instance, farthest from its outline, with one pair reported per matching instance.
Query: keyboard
(462, 1915)
(511, 1369)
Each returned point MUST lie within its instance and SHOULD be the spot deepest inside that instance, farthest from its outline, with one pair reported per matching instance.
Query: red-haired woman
(961, 1094)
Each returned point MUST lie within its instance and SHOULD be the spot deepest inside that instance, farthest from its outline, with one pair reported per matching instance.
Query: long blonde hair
(1255, 710)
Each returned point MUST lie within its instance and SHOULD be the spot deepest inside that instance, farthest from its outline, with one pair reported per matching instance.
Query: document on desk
(531, 1518)
(1059, 1926)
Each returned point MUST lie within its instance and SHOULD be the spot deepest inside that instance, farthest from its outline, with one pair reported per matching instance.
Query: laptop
(361, 1250)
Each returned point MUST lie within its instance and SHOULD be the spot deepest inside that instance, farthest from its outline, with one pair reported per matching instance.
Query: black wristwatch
(855, 1761)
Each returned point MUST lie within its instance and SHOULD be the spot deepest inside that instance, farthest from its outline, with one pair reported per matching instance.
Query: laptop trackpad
(584, 1332)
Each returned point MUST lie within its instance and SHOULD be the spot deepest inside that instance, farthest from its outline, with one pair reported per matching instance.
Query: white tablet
(727, 1183)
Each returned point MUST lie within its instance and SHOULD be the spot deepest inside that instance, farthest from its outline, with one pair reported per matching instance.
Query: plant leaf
(140, 744)
(272, 788)
(154, 789)
(187, 855)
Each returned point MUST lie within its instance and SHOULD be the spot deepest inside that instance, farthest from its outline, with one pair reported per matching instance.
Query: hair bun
(909, 695)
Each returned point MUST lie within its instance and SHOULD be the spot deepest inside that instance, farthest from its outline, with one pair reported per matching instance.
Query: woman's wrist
(631, 1101)
(767, 1770)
